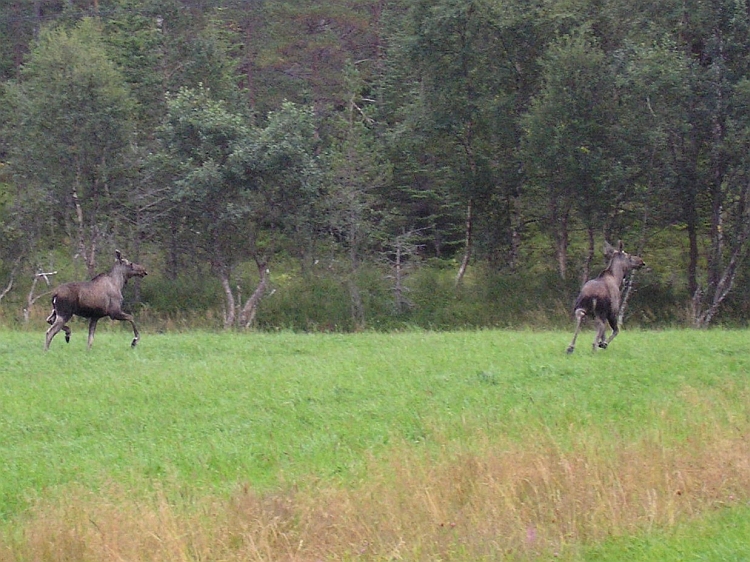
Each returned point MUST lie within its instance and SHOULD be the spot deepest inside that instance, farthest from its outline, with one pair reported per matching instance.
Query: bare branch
(8, 287)
(31, 298)
(12, 279)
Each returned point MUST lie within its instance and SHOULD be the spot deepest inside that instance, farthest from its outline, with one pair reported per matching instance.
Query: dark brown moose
(95, 299)
(600, 297)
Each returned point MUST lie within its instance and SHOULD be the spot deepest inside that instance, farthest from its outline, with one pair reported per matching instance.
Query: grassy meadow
(417, 445)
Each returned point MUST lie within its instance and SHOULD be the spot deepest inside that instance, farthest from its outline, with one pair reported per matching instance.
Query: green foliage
(198, 139)
(136, 46)
(466, 86)
(70, 137)
(74, 102)
(187, 294)
(281, 158)
(315, 40)
(318, 304)
(225, 132)
(239, 191)
(571, 148)
(235, 171)
(487, 299)
(358, 173)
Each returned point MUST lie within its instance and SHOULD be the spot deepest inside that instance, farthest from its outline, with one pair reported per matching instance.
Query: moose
(95, 299)
(600, 297)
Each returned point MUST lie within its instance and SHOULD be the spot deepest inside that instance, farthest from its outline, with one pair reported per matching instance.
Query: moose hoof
(570, 349)
(603, 344)
(133, 343)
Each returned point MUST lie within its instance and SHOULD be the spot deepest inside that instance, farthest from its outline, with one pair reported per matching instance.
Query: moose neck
(618, 267)
(118, 275)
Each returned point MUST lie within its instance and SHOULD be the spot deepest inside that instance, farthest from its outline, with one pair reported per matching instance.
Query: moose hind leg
(57, 325)
(580, 315)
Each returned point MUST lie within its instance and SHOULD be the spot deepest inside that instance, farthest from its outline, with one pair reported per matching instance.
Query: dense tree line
(519, 135)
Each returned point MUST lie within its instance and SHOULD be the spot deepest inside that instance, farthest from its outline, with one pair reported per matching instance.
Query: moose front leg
(615, 330)
(601, 328)
(136, 335)
(125, 317)
(57, 325)
(92, 329)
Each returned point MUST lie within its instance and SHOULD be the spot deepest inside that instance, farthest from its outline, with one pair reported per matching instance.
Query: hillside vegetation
(240, 147)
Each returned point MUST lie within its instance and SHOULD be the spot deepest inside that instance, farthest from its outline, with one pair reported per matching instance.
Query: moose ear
(608, 250)
(619, 246)
(118, 255)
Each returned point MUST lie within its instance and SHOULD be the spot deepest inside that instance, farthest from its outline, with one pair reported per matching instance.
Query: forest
(356, 164)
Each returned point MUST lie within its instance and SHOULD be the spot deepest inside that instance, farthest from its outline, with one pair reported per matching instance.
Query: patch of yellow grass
(518, 501)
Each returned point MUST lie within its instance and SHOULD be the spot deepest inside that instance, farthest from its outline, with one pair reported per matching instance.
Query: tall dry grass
(497, 501)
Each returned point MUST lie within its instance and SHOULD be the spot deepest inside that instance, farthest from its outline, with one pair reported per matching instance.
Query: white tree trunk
(250, 309)
(229, 313)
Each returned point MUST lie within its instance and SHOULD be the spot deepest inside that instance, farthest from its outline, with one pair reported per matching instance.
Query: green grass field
(415, 446)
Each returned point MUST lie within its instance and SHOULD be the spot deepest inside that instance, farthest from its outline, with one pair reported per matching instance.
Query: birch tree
(71, 136)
